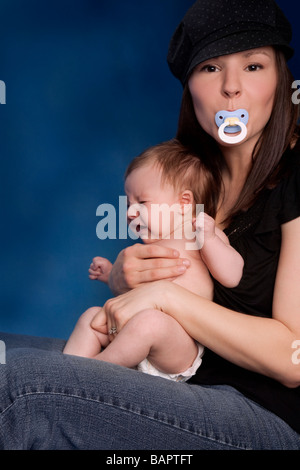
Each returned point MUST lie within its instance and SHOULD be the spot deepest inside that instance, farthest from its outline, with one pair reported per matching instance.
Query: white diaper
(146, 367)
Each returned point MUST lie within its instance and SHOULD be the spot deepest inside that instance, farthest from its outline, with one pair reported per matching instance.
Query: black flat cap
(212, 28)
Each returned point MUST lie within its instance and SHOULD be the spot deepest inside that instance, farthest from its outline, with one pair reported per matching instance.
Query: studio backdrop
(84, 88)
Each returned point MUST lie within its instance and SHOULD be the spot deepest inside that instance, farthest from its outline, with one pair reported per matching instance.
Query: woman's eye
(209, 68)
(254, 67)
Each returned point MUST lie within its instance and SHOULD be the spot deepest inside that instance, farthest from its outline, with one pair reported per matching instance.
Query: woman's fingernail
(186, 262)
(181, 269)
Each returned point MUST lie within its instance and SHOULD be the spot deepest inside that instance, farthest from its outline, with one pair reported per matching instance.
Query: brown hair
(179, 167)
(268, 164)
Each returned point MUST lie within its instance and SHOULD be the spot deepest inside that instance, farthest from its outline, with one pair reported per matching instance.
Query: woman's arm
(258, 344)
(139, 264)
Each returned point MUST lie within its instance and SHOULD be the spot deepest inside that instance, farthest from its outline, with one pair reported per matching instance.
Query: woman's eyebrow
(255, 52)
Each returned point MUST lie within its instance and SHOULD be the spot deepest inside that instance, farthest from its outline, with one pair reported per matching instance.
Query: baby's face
(153, 209)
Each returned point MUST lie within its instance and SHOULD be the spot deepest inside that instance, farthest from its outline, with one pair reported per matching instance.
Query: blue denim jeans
(49, 400)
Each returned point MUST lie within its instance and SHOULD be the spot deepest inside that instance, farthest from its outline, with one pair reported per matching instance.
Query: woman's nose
(231, 85)
(232, 94)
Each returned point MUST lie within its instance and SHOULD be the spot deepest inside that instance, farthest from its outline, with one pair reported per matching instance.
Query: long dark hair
(268, 164)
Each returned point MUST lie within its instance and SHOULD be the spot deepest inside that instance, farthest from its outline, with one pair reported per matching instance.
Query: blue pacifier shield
(241, 114)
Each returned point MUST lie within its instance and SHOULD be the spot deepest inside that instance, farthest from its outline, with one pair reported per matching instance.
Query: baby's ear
(186, 200)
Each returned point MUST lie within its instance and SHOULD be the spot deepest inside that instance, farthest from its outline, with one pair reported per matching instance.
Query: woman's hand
(120, 309)
(140, 264)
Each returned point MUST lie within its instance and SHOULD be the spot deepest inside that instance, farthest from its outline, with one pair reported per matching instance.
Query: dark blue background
(88, 88)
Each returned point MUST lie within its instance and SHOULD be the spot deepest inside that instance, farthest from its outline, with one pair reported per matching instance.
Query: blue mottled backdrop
(87, 88)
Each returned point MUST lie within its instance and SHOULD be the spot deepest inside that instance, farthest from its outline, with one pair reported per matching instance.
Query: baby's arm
(223, 261)
(100, 269)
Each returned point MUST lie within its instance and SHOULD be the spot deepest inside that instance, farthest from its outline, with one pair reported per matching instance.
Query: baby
(165, 186)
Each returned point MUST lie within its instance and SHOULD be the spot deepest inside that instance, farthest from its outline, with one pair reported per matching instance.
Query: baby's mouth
(139, 227)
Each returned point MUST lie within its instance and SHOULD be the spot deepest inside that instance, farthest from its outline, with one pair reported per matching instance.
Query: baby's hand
(100, 269)
(205, 228)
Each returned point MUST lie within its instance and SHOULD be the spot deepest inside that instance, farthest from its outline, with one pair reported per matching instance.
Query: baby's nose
(132, 211)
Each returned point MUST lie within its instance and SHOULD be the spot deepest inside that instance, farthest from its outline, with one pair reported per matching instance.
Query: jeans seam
(125, 409)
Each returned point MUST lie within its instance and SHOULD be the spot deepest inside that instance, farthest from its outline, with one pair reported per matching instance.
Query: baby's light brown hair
(179, 167)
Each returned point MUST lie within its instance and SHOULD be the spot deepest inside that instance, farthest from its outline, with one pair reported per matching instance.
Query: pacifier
(232, 122)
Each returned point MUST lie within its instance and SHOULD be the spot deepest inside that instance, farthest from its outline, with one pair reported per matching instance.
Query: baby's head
(170, 176)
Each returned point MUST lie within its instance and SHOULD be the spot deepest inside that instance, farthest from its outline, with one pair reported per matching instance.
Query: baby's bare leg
(157, 336)
(84, 340)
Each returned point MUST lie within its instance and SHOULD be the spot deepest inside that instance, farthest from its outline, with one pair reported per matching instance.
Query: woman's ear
(186, 201)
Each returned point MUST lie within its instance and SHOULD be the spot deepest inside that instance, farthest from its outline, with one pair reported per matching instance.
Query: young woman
(229, 56)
